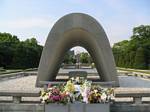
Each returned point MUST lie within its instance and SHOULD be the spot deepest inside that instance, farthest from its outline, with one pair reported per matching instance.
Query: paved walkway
(22, 83)
(28, 83)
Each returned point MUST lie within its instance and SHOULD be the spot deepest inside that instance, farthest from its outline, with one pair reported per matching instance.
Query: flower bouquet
(76, 90)
(54, 94)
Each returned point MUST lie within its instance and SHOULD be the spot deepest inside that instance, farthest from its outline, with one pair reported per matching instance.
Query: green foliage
(19, 54)
(134, 53)
(84, 57)
(69, 58)
(140, 62)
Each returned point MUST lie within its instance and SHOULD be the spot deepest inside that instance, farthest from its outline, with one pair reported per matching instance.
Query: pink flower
(56, 98)
(49, 85)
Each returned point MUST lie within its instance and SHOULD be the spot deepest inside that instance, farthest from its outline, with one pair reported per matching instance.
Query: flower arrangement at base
(76, 90)
(54, 94)
(100, 95)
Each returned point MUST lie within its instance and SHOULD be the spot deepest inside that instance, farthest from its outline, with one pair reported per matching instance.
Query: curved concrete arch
(76, 29)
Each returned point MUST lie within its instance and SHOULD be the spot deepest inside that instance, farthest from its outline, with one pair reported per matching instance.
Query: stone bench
(17, 95)
(136, 95)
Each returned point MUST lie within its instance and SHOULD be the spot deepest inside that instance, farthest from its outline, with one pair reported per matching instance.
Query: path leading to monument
(28, 83)
(22, 83)
(132, 81)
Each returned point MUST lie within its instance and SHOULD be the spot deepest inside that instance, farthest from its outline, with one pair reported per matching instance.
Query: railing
(17, 95)
(136, 74)
(77, 66)
(136, 94)
(137, 105)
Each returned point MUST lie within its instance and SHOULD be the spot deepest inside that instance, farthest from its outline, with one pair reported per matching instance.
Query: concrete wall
(10, 107)
(130, 108)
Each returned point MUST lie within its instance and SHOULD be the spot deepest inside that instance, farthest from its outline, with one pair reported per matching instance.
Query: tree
(134, 53)
(7, 46)
(141, 32)
(17, 54)
(29, 56)
(140, 62)
(69, 58)
(84, 57)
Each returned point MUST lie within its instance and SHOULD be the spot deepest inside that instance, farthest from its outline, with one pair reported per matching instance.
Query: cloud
(24, 23)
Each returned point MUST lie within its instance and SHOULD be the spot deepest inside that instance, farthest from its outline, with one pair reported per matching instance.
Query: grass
(17, 70)
(33, 69)
(10, 71)
(134, 70)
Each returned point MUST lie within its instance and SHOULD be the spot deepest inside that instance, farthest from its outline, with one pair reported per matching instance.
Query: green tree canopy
(19, 54)
(134, 53)
(84, 57)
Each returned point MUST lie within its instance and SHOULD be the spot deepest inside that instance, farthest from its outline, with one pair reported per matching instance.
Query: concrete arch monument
(77, 29)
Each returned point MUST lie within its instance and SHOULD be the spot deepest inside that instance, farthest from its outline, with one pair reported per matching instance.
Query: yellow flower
(43, 93)
(95, 91)
(69, 87)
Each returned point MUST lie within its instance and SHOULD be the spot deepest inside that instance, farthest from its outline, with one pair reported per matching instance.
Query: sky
(35, 18)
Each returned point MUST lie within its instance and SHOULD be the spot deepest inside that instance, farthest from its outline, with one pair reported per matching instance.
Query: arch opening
(79, 62)
(77, 37)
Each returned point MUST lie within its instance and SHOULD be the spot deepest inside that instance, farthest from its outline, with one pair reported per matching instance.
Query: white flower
(85, 91)
(49, 88)
(45, 97)
(95, 90)
(85, 99)
(72, 78)
(43, 101)
(103, 97)
(77, 79)
(77, 88)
